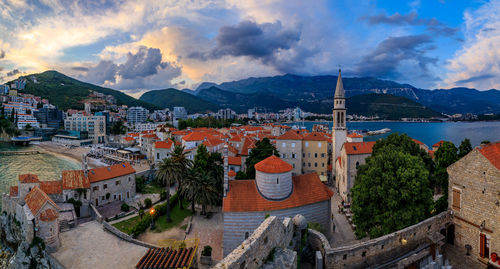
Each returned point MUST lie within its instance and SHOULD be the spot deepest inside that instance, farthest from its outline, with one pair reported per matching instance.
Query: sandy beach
(74, 153)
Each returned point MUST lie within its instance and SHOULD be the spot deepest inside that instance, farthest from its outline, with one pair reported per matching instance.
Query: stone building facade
(274, 192)
(474, 199)
(289, 145)
(315, 154)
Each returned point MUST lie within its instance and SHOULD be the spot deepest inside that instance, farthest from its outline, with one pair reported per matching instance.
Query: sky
(135, 46)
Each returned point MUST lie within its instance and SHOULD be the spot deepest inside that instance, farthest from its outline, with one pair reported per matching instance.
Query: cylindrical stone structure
(273, 177)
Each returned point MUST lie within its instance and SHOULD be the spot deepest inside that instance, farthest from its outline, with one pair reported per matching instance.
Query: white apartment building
(25, 119)
(137, 114)
(95, 125)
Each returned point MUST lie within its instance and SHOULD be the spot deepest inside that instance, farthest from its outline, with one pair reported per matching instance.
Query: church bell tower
(339, 131)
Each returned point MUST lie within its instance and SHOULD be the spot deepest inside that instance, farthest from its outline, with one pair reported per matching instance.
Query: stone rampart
(111, 229)
(379, 250)
(252, 253)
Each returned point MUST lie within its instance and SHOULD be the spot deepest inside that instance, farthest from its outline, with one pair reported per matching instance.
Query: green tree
(201, 157)
(464, 148)
(199, 188)
(262, 150)
(183, 165)
(444, 157)
(391, 191)
(28, 127)
(166, 174)
(118, 128)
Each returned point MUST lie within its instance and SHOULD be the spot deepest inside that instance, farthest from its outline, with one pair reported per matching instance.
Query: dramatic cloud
(477, 63)
(80, 68)
(13, 72)
(142, 64)
(390, 53)
(103, 72)
(411, 18)
(2, 54)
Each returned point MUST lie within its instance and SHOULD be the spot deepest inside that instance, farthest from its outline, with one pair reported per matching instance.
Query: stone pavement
(210, 232)
(89, 246)
(344, 234)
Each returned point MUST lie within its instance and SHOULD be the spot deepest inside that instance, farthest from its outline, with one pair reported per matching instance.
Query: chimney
(226, 170)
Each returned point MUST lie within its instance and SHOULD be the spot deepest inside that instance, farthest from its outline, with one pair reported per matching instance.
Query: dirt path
(173, 233)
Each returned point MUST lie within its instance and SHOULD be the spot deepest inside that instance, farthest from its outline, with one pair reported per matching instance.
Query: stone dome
(273, 165)
(300, 222)
(273, 177)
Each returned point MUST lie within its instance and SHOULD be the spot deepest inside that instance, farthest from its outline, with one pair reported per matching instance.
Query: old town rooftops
(166, 258)
(290, 135)
(108, 172)
(14, 191)
(29, 178)
(36, 198)
(315, 136)
(243, 195)
(52, 187)
(273, 165)
(492, 153)
(49, 215)
(164, 144)
(74, 179)
(354, 148)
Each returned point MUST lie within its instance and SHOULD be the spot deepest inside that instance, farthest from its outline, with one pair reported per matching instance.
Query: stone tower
(339, 131)
(226, 169)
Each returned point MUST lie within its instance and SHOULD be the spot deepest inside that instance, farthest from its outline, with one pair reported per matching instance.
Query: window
(307, 144)
(102, 198)
(246, 235)
(105, 186)
(303, 155)
(309, 154)
(456, 199)
(294, 155)
(293, 165)
(75, 195)
(85, 194)
(283, 145)
(309, 164)
(315, 155)
(283, 156)
(158, 155)
(319, 144)
(293, 145)
(315, 164)
(322, 164)
(95, 188)
(278, 180)
(484, 246)
(357, 165)
(117, 182)
(129, 179)
(322, 155)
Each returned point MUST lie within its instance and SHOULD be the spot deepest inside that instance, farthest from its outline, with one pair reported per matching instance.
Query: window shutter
(481, 245)
(456, 199)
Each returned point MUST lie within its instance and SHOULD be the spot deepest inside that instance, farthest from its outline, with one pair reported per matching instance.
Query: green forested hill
(387, 106)
(66, 92)
(173, 97)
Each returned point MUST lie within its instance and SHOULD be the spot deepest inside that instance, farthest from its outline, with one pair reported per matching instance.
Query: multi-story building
(315, 154)
(226, 114)
(179, 113)
(24, 120)
(49, 117)
(473, 197)
(137, 115)
(289, 145)
(162, 150)
(95, 125)
(19, 108)
(4, 89)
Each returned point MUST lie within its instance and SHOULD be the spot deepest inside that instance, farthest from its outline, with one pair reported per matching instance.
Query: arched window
(246, 235)
(357, 165)
(277, 180)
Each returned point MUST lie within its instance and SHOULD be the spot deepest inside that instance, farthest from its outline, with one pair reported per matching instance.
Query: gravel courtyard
(89, 246)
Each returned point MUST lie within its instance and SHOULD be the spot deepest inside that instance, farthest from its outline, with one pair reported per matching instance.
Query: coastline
(72, 153)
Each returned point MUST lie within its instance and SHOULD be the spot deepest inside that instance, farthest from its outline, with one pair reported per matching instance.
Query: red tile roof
(273, 164)
(353, 148)
(438, 144)
(51, 187)
(234, 160)
(14, 191)
(417, 141)
(163, 144)
(128, 138)
(492, 153)
(315, 136)
(354, 135)
(243, 195)
(49, 215)
(248, 144)
(231, 173)
(29, 178)
(235, 138)
(150, 136)
(431, 153)
(212, 142)
(36, 198)
(180, 132)
(74, 179)
(166, 258)
(108, 172)
(195, 136)
(290, 135)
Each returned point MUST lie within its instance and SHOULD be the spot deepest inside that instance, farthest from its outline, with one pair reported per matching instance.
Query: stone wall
(123, 191)
(238, 224)
(379, 250)
(110, 228)
(252, 253)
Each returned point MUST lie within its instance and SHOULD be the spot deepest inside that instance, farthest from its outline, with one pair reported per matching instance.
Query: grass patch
(153, 187)
(177, 215)
(127, 225)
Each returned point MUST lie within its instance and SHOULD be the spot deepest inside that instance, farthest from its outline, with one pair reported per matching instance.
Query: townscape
(249, 134)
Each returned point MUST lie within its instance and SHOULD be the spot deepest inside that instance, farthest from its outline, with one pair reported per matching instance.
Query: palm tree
(183, 164)
(190, 186)
(207, 193)
(167, 173)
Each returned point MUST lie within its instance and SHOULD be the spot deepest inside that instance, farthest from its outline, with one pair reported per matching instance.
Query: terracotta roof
(180, 132)
(74, 179)
(51, 187)
(315, 136)
(212, 142)
(128, 138)
(133, 134)
(150, 136)
(438, 144)
(234, 160)
(290, 135)
(14, 191)
(163, 144)
(49, 215)
(232, 149)
(36, 198)
(248, 144)
(353, 148)
(235, 138)
(431, 153)
(163, 258)
(492, 153)
(29, 178)
(195, 136)
(231, 173)
(354, 135)
(417, 141)
(243, 195)
(273, 164)
(108, 172)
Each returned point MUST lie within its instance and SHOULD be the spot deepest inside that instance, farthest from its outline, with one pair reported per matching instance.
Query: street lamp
(152, 212)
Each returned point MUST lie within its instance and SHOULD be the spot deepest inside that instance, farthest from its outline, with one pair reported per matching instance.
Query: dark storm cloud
(80, 68)
(475, 78)
(258, 41)
(2, 54)
(411, 18)
(102, 72)
(142, 64)
(13, 72)
(385, 59)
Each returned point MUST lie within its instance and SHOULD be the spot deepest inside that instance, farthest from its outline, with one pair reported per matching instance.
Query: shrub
(141, 213)
(144, 223)
(163, 196)
(125, 207)
(207, 251)
(267, 216)
(148, 203)
(315, 226)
